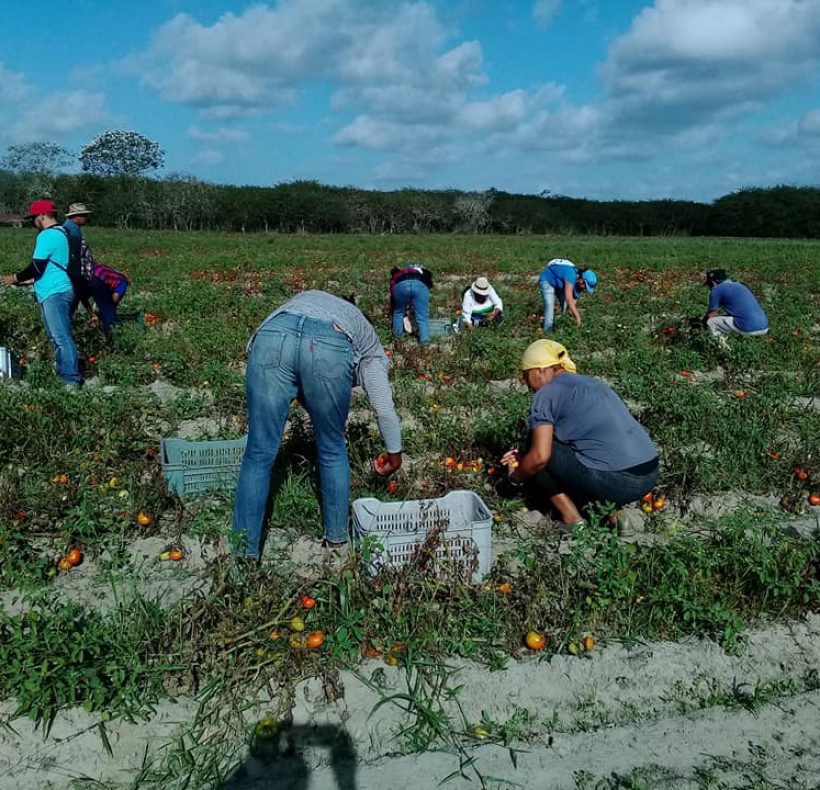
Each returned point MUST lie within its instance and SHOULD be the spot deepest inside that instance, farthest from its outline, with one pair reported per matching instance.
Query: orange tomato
(685, 374)
(62, 479)
(774, 455)
(388, 352)
(535, 640)
(315, 639)
(450, 462)
(659, 503)
(505, 588)
(74, 557)
(648, 497)
(144, 519)
(64, 564)
(741, 394)
(175, 555)
(306, 602)
(459, 467)
(372, 652)
(588, 642)
(392, 487)
(801, 474)
(814, 500)
(491, 471)
(445, 378)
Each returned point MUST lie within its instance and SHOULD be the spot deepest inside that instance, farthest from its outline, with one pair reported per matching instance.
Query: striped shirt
(117, 282)
(369, 360)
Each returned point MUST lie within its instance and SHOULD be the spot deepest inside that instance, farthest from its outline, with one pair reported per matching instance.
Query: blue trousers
(293, 356)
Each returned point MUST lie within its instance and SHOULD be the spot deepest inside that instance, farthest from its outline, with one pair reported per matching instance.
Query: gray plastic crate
(197, 467)
(402, 527)
(439, 327)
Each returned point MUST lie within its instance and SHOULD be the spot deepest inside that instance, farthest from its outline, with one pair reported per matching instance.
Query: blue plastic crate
(197, 467)
(400, 528)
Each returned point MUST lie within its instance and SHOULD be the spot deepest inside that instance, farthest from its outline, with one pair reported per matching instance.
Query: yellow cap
(545, 354)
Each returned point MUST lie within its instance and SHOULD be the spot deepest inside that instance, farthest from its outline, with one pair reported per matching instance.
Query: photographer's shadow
(278, 763)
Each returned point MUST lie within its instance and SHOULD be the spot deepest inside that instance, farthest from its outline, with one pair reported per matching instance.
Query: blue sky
(609, 99)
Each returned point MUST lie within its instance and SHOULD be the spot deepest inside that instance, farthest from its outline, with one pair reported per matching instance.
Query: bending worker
(583, 445)
(564, 281)
(314, 348)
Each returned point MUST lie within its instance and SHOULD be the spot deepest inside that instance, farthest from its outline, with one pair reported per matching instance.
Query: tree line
(116, 186)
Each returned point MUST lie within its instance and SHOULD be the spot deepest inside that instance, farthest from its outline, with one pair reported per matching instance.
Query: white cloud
(209, 156)
(809, 124)
(544, 11)
(13, 87)
(60, 114)
(221, 136)
(685, 62)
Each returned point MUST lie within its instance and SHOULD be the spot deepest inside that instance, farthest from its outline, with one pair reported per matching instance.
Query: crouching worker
(744, 315)
(315, 348)
(481, 305)
(108, 287)
(583, 445)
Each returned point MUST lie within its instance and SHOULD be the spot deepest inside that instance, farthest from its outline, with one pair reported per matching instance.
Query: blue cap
(591, 279)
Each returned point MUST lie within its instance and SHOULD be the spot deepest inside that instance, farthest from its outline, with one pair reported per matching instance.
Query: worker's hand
(387, 463)
(94, 320)
(9, 279)
(511, 459)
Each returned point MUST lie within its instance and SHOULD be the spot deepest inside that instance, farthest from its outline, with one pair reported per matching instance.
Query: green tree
(121, 153)
(35, 158)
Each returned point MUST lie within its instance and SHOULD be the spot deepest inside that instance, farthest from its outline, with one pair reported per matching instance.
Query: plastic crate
(402, 527)
(196, 467)
(440, 327)
(9, 365)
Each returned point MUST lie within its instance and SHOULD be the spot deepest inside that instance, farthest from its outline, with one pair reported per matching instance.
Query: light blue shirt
(52, 245)
(560, 271)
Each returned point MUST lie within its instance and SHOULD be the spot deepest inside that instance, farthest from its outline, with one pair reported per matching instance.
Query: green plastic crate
(196, 467)
(439, 327)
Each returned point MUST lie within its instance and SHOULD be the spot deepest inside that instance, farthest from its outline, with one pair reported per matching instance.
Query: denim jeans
(104, 300)
(293, 356)
(565, 474)
(413, 292)
(57, 312)
(548, 295)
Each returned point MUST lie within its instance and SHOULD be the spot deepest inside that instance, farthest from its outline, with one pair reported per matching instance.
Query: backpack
(75, 268)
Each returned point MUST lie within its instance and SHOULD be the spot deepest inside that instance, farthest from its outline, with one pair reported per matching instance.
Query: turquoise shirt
(52, 245)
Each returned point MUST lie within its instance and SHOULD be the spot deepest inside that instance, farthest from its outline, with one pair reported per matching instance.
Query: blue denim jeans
(104, 300)
(57, 312)
(548, 295)
(413, 292)
(293, 356)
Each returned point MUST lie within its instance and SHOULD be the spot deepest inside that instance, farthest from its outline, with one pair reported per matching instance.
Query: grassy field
(125, 633)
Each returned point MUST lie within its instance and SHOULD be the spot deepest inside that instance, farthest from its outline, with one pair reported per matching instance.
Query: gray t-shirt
(593, 421)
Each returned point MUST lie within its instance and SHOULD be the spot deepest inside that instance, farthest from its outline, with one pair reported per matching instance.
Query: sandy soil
(672, 714)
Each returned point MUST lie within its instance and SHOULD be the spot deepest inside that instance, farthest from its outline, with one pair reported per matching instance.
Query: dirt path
(673, 715)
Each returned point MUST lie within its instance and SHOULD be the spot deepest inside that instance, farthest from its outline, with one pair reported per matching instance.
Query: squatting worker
(314, 348)
(481, 305)
(744, 315)
(53, 288)
(563, 281)
(583, 446)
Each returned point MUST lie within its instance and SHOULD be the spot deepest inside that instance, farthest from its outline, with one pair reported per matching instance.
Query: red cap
(42, 207)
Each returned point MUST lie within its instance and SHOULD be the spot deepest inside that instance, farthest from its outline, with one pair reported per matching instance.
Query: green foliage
(121, 152)
(57, 656)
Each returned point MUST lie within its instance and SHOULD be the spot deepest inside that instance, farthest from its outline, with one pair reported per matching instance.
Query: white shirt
(469, 305)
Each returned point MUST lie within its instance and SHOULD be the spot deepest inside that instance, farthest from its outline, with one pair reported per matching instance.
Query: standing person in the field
(563, 281)
(314, 348)
(744, 315)
(53, 288)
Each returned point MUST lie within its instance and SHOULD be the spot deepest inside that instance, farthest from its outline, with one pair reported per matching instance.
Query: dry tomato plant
(83, 501)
